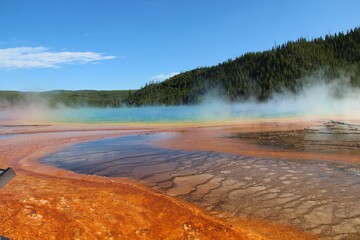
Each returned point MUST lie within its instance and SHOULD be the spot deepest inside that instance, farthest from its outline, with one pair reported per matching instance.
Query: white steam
(318, 98)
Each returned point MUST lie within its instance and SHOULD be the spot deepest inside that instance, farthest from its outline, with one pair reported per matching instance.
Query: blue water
(158, 114)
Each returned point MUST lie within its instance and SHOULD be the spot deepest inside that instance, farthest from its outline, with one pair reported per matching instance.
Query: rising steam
(318, 98)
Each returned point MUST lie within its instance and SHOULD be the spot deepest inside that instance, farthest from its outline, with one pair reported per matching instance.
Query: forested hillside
(82, 98)
(258, 75)
(254, 75)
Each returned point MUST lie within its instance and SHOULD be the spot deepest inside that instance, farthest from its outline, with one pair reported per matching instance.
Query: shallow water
(158, 114)
(154, 114)
(318, 197)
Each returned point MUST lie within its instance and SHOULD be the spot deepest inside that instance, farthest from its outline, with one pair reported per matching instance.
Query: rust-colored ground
(47, 203)
(217, 139)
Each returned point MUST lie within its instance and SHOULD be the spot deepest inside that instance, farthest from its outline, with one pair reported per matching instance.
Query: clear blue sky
(122, 44)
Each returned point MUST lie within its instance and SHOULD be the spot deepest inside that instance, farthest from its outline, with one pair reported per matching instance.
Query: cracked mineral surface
(315, 196)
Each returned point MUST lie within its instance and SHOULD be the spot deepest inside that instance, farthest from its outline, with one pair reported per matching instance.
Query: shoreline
(219, 139)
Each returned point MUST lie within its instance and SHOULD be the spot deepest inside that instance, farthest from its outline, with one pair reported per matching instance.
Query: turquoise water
(157, 114)
(162, 114)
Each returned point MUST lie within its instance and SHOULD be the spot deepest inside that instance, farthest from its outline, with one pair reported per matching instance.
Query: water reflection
(322, 198)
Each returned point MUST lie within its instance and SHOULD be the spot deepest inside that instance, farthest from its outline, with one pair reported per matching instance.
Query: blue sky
(122, 44)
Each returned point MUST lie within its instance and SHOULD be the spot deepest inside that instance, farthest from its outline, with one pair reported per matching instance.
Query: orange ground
(194, 139)
(47, 203)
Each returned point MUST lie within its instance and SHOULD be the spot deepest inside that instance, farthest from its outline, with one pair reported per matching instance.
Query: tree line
(254, 75)
(258, 75)
(81, 98)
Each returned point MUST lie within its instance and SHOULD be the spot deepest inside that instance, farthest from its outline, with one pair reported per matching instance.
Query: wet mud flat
(327, 137)
(318, 197)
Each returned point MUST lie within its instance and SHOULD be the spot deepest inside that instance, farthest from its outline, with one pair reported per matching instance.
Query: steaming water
(199, 113)
(158, 114)
(322, 99)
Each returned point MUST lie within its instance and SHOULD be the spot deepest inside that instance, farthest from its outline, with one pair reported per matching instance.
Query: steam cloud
(318, 98)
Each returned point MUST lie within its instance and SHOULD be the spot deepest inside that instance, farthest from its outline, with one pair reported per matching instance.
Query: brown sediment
(44, 202)
(320, 197)
(223, 139)
(315, 196)
(329, 137)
